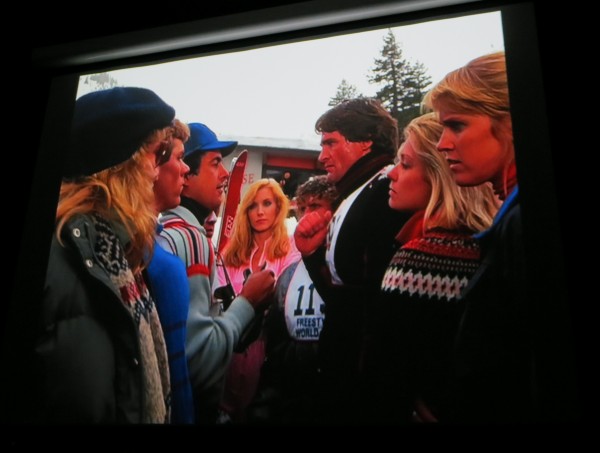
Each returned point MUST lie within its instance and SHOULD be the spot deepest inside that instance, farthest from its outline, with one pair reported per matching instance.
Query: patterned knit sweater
(436, 266)
(419, 311)
(137, 299)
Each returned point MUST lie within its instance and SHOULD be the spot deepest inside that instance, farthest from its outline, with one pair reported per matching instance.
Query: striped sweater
(211, 334)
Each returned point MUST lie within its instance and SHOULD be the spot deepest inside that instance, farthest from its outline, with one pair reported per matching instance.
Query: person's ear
(507, 124)
(366, 146)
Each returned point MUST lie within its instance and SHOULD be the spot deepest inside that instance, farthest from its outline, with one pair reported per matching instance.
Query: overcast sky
(281, 90)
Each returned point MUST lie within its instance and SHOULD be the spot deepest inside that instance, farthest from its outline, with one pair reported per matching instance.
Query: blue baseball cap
(202, 139)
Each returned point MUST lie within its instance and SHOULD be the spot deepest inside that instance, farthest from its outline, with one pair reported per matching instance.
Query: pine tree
(96, 82)
(403, 83)
(344, 91)
(103, 80)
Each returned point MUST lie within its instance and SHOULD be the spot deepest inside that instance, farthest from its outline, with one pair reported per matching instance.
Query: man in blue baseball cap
(205, 185)
(211, 332)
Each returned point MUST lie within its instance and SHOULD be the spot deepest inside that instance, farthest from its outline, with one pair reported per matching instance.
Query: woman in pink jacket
(259, 241)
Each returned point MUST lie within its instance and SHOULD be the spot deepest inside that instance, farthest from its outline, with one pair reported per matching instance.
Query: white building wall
(253, 166)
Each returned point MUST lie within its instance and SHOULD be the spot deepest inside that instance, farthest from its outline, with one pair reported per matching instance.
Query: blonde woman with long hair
(259, 241)
(101, 348)
(497, 376)
(419, 307)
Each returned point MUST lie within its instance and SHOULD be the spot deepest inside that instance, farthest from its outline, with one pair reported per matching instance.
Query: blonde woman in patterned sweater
(419, 308)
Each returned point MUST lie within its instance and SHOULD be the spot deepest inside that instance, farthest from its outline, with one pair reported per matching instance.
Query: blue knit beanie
(109, 126)
(203, 139)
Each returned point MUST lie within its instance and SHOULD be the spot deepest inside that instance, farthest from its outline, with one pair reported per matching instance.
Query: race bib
(303, 307)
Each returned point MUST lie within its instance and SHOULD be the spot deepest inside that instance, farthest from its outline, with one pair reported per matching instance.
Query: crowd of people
(401, 297)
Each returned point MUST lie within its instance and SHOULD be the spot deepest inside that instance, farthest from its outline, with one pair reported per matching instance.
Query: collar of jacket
(412, 229)
(83, 222)
(199, 211)
(81, 234)
(181, 213)
(511, 200)
(121, 232)
(359, 173)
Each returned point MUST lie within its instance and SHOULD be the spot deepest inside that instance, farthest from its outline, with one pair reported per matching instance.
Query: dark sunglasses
(163, 153)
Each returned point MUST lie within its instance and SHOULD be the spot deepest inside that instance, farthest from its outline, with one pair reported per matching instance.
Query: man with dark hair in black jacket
(346, 252)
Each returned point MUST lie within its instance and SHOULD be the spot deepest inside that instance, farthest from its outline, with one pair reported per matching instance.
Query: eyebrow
(405, 157)
(328, 141)
(452, 117)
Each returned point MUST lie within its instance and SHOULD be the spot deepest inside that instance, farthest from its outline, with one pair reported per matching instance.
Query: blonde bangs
(180, 130)
(479, 88)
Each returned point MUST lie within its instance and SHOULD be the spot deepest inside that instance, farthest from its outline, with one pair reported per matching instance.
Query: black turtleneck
(367, 237)
(199, 211)
(363, 169)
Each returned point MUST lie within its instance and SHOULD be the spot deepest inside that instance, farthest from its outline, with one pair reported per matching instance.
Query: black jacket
(87, 353)
(494, 353)
(365, 245)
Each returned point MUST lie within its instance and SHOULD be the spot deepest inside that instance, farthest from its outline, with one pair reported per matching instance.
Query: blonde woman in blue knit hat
(100, 350)
(418, 311)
